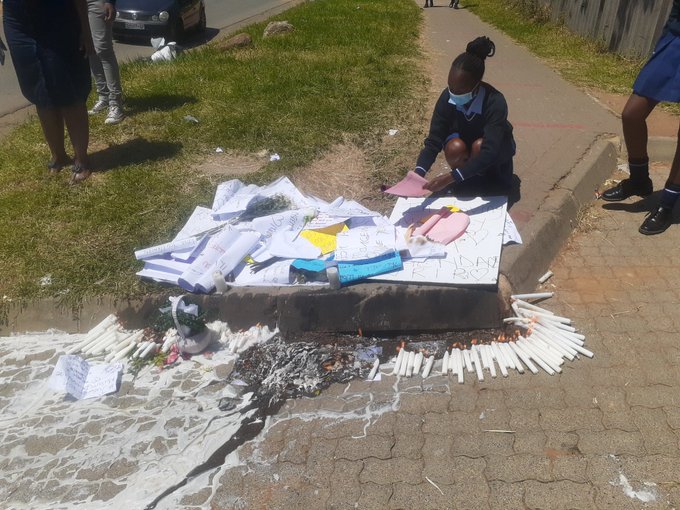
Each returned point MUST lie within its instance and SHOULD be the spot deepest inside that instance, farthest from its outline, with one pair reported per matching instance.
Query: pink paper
(444, 226)
(431, 221)
(409, 186)
(450, 228)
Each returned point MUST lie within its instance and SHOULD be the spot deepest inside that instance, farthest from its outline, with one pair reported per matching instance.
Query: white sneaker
(115, 115)
(99, 106)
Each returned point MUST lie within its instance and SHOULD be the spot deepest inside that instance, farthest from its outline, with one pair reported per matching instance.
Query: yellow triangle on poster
(325, 238)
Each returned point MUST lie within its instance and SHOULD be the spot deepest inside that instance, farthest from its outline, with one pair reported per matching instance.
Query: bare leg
(456, 153)
(674, 176)
(78, 127)
(52, 124)
(476, 148)
(634, 120)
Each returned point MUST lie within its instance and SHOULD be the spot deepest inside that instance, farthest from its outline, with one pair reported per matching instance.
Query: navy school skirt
(660, 77)
(43, 40)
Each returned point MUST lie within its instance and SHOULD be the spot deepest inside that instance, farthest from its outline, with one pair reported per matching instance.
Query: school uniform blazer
(490, 123)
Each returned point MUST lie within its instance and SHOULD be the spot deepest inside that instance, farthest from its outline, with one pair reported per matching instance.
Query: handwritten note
(360, 270)
(365, 243)
(472, 259)
(81, 380)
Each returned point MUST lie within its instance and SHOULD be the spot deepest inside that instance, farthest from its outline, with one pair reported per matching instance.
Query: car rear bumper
(136, 28)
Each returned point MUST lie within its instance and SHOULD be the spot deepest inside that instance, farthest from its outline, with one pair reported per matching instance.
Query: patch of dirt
(342, 171)
(232, 165)
(659, 123)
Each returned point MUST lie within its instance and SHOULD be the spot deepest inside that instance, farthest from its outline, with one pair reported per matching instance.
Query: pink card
(450, 228)
(409, 186)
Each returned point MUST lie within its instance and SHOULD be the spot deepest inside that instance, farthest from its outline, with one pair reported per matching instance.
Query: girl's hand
(439, 183)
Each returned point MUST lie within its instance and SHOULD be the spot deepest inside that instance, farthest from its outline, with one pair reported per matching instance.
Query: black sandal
(55, 167)
(79, 173)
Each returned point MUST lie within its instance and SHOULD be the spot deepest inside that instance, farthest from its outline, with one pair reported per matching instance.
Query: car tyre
(176, 31)
(202, 21)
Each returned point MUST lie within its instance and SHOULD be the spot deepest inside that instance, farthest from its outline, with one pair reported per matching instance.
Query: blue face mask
(461, 99)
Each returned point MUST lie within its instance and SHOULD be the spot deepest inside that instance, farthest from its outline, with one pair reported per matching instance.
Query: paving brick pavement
(604, 434)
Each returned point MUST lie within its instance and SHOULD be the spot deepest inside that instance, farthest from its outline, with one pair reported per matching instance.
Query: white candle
(519, 353)
(397, 363)
(552, 342)
(548, 329)
(131, 340)
(459, 366)
(511, 358)
(410, 364)
(523, 304)
(536, 356)
(445, 363)
(98, 338)
(101, 341)
(91, 335)
(577, 347)
(489, 358)
(124, 352)
(551, 318)
(467, 360)
(374, 370)
(428, 366)
(545, 277)
(404, 364)
(482, 356)
(545, 350)
(500, 358)
(140, 347)
(535, 295)
(418, 363)
(453, 362)
(474, 356)
(151, 347)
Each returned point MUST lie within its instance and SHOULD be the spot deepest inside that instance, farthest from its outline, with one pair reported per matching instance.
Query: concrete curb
(554, 221)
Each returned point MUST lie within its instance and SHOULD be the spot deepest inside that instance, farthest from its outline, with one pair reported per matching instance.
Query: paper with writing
(203, 267)
(82, 380)
(510, 232)
(365, 243)
(276, 274)
(475, 256)
(362, 269)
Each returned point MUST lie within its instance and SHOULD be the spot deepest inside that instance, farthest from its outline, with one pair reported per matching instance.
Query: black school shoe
(657, 221)
(626, 189)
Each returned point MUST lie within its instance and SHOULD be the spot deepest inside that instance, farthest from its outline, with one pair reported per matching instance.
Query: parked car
(158, 18)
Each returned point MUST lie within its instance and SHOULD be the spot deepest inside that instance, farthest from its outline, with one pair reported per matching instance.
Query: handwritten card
(81, 380)
(365, 243)
(473, 259)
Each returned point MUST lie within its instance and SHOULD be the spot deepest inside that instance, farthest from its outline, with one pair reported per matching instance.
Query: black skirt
(44, 41)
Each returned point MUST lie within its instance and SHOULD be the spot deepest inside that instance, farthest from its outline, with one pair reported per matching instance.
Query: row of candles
(547, 341)
(110, 338)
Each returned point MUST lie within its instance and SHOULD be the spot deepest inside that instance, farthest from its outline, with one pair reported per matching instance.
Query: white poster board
(472, 259)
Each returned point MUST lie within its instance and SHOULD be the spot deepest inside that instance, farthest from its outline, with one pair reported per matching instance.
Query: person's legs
(95, 11)
(661, 218)
(52, 124)
(456, 152)
(634, 120)
(77, 124)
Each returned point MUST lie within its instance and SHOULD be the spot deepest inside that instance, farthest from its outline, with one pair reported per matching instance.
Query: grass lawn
(349, 69)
